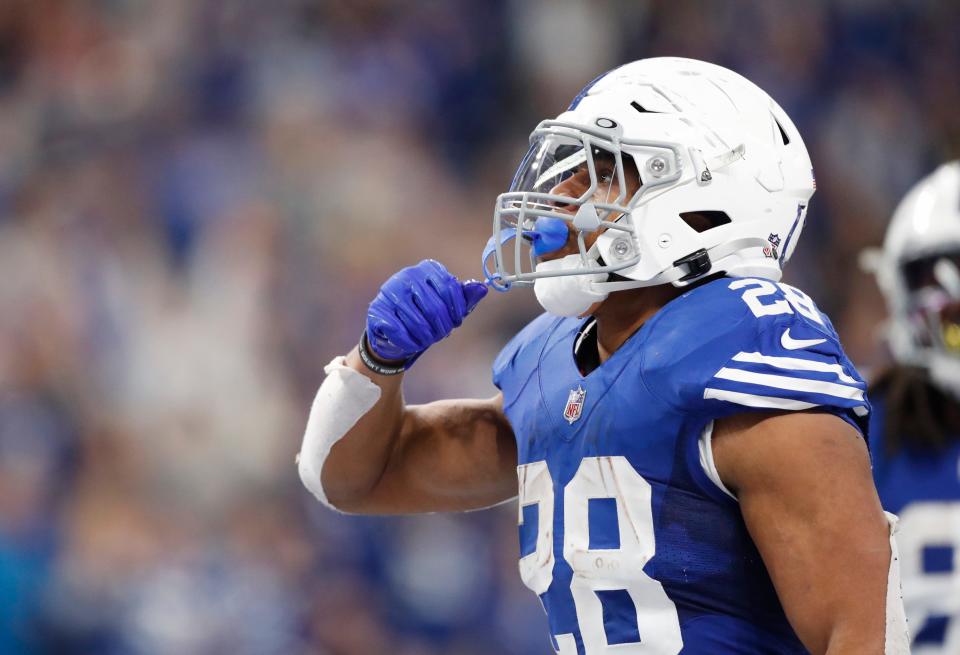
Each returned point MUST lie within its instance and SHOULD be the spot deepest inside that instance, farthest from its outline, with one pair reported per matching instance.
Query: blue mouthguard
(549, 235)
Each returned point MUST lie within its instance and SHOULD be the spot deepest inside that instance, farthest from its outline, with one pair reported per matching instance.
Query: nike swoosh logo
(790, 343)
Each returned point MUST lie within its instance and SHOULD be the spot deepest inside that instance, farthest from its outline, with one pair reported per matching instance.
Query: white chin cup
(567, 295)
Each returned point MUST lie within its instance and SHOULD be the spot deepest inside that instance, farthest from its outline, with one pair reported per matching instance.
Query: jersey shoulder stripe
(809, 382)
(754, 400)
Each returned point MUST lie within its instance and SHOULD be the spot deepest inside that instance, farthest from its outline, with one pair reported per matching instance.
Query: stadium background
(198, 199)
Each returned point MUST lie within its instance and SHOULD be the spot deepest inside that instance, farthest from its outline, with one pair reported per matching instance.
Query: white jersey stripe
(790, 383)
(795, 364)
(750, 400)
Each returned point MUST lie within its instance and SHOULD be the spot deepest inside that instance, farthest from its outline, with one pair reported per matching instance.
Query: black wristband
(374, 365)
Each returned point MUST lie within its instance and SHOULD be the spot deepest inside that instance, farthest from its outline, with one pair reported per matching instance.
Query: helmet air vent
(783, 133)
(640, 108)
(701, 221)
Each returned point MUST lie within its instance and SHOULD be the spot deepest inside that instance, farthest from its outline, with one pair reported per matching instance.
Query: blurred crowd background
(198, 198)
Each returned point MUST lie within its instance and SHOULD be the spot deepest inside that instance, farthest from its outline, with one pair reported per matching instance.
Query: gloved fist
(417, 307)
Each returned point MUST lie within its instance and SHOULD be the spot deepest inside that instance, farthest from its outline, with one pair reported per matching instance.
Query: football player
(915, 428)
(687, 432)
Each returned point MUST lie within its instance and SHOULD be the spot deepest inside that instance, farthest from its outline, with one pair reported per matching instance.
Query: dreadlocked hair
(918, 413)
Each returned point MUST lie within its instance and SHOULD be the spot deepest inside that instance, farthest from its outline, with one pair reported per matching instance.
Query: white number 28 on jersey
(759, 296)
(608, 494)
(929, 540)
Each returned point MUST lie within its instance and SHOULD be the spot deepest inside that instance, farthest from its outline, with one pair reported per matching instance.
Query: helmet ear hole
(701, 221)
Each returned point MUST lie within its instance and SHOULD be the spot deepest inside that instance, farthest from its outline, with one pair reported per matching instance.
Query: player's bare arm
(807, 496)
(449, 455)
(366, 451)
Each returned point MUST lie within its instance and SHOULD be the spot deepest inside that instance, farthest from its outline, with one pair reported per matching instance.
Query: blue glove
(417, 307)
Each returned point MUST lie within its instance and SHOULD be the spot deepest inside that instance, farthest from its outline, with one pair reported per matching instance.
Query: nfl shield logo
(574, 404)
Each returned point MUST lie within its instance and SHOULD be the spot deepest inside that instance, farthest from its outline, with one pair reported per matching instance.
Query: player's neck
(622, 314)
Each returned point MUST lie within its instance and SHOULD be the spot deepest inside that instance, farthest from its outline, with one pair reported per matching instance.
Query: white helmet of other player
(702, 140)
(918, 272)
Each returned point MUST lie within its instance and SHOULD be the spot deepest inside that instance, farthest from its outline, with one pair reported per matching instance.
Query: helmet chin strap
(575, 295)
(676, 273)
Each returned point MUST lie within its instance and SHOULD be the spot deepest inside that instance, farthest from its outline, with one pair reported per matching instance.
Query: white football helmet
(701, 138)
(918, 272)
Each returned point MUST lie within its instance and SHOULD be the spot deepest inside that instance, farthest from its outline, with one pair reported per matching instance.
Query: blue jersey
(626, 533)
(922, 486)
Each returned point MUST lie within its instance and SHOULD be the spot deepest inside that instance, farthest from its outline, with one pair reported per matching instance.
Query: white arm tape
(897, 635)
(343, 399)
